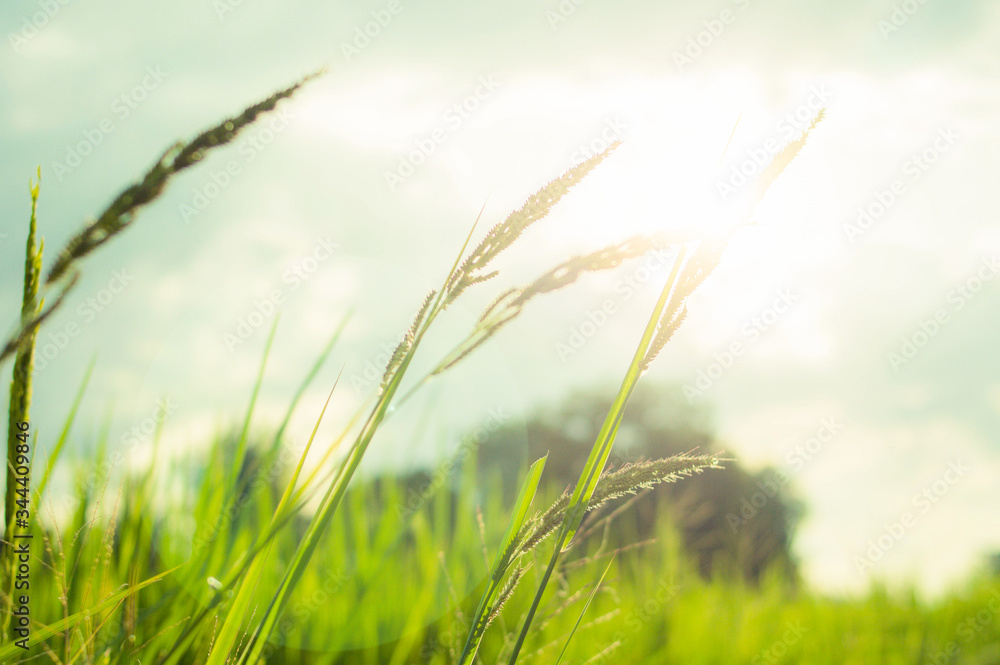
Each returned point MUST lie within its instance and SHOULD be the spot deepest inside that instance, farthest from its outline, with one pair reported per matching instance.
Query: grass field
(396, 585)
(247, 554)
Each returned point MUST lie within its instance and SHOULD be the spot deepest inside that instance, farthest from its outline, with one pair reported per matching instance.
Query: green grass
(382, 590)
(263, 558)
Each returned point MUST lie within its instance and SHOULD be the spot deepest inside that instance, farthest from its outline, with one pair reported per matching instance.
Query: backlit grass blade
(502, 562)
(223, 502)
(41, 634)
(120, 214)
(240, 607)
(331, 501)
(239, 568)
(605, 439)
(307, 381)
(180, 643)
(599, 453)
(586, 605)
(241, 446)
(20, 399)
(61, 442)
(335, 493)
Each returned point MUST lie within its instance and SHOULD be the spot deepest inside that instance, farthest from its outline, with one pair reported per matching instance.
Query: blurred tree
(732, 520)
(994, 564)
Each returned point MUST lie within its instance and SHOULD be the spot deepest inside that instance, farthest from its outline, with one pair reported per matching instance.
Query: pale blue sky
(535, 92)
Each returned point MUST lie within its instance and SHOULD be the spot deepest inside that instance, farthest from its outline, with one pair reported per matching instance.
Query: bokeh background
(865, 296)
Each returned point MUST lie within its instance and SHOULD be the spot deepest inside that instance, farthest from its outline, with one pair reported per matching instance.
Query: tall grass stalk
(120, 214)
(20, 398)
(587, 483)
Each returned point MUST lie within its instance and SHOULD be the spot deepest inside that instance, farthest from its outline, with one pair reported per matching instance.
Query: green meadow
(264, 548)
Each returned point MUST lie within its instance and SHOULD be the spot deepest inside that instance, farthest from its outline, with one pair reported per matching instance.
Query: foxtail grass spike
(702, 261)
(20, 391)
(510, 303)
(501, 236)
(406, 343)
(119, 215)
(785, 157)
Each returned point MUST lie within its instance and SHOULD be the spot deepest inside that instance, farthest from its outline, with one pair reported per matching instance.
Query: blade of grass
(584, 611)
(307, 381)
(501, 563)
(599, 453)
(20, 398)
(61, 441)
(331, 501)
(241, 446)
(241, 605)
(121, 213)
(40, 635)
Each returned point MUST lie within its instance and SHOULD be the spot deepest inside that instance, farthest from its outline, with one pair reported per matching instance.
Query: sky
(846, 338)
